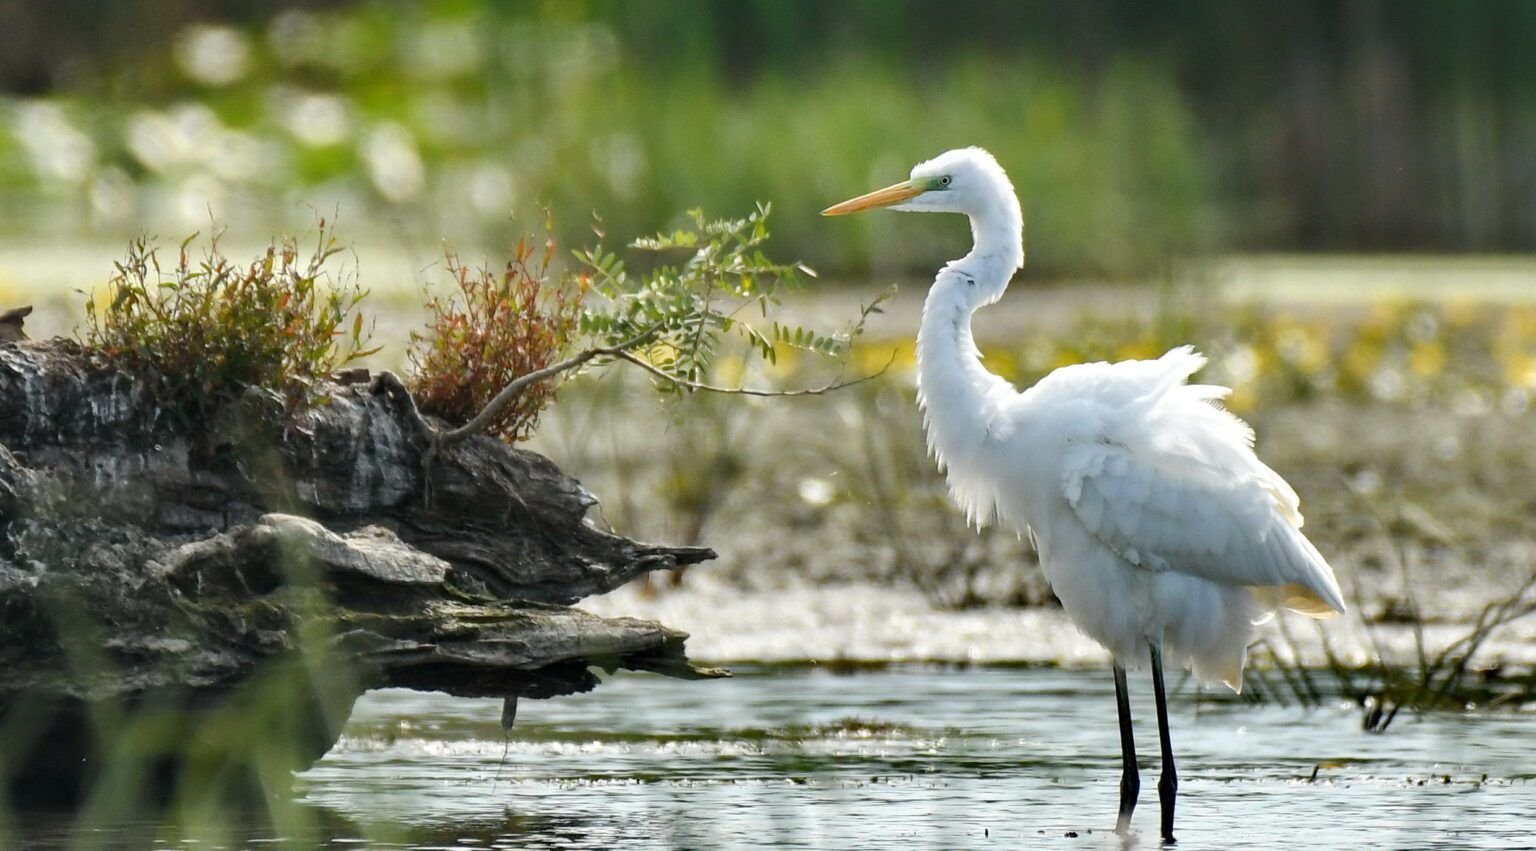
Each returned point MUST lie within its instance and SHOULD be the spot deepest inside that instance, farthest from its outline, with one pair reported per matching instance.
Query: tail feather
(1295, 597)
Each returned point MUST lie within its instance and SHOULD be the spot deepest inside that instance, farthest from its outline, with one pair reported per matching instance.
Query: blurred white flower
(620, 159)
(162, 141)
(444, 49)
(1388, 384)
(58, 151)
(189, 137)
(112, 196)
(294, 36)
(1240, 366)
(201, 198)
(317, 120)
(213, 55)
(241, 157)
(148, 137)
(491, 189)
(1365, 482)
(394, 166)
(816, 492)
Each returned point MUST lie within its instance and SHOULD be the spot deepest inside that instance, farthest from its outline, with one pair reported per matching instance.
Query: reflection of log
(148, 564)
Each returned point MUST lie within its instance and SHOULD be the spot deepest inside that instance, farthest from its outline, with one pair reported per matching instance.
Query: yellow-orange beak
(895, 194)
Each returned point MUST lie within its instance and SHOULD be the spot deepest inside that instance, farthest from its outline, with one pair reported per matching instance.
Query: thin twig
(514, 387)
(439, 440)
(745, 391)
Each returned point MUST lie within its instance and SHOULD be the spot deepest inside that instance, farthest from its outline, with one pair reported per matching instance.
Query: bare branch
(390, 385)
(748, 391)
(508, 393)
(687, 323)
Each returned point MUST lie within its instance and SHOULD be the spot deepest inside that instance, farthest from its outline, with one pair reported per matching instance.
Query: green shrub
(492, 352)
(202, 332)
(678, 315)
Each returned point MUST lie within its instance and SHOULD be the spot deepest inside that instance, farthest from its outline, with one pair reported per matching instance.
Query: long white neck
(997, 242)
(958, 395)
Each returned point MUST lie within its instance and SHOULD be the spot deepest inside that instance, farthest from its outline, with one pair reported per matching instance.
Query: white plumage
(1197, 540)
(1156, 525)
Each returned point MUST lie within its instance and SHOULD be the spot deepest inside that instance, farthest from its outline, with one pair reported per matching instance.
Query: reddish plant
(492, 330)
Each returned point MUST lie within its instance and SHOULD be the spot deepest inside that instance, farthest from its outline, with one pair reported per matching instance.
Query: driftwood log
(11, 322)
(156, 569)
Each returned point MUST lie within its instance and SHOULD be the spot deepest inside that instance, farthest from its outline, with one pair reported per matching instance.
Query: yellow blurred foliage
(1277, 356)
(1427, 359)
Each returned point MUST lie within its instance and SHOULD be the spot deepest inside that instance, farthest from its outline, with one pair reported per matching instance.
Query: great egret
(1161, 532)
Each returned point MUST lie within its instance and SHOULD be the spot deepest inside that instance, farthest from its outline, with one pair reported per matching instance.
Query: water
(921, 756)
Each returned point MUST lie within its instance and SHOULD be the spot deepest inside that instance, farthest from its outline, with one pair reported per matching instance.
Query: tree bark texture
(150, 566)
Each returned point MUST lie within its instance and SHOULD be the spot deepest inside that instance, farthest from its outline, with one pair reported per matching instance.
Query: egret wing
(1206, 509)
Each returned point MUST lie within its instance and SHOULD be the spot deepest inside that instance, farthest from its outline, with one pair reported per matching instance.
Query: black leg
(1168, 783)
(1130, 779)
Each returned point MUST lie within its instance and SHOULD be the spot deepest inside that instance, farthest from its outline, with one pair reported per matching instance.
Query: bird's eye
(944, 181)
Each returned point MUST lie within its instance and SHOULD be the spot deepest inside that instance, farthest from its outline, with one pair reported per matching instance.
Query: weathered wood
(147, 561)
(11, 322)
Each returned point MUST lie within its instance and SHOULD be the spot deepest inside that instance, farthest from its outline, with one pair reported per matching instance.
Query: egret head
(965, 180)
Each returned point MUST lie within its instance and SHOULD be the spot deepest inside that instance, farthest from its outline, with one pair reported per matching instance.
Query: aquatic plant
(1439, 674)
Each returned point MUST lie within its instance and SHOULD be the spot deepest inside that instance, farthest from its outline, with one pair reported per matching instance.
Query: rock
(272, 570)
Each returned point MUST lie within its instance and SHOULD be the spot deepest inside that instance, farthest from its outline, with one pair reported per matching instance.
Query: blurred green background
(1136, 131)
